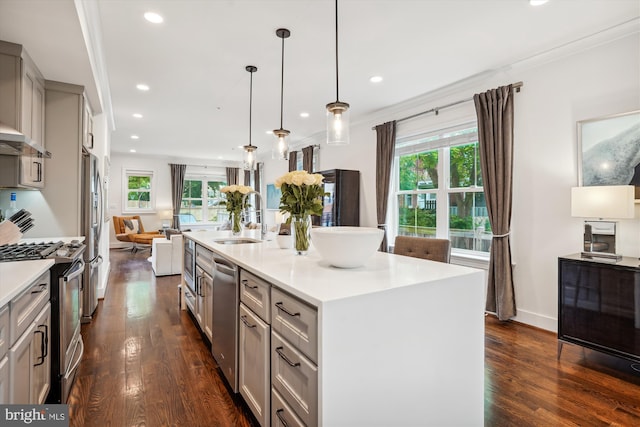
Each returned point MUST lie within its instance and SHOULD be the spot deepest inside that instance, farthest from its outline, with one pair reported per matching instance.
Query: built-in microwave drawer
(4, 330)
(26, 306)
(255, 294)
(204, 259)
(281, 414)
(296, 379)
(295, 321)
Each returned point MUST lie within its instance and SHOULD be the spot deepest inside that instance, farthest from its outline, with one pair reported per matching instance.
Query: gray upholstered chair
(423, 247)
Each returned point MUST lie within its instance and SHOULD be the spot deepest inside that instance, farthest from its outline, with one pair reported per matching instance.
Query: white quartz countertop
(314, 280)
(16, 276)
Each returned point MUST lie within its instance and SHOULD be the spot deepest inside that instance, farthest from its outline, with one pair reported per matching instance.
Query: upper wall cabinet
(21, 92)
(22, 108)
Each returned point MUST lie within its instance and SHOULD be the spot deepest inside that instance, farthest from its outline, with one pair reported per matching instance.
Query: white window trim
(125, 190)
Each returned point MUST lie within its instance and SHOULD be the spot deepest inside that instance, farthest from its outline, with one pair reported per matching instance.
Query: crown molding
(89, 18)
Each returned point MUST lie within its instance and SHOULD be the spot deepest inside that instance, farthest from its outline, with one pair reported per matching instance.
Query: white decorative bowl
(346, 247)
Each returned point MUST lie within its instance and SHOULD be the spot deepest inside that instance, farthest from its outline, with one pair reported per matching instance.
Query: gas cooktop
(58, 251)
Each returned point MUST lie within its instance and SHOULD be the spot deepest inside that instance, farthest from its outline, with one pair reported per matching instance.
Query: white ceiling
(194, 62)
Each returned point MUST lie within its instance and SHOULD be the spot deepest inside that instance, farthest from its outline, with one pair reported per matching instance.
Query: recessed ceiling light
(220, 157)
(375, 79)
(537, 2)
(269, 132)
(142, 86)
(304, 115)
(137, 115)
(135, 137)
(153, 17)
(132, 151)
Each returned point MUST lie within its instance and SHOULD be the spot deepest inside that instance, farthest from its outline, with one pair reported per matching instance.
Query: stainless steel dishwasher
(224, 345)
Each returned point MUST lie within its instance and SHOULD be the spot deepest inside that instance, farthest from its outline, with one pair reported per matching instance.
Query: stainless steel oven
(70, 340)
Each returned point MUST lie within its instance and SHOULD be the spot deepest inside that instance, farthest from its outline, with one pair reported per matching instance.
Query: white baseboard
(537, 320)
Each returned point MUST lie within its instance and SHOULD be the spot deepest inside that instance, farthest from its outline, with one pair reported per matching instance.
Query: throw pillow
(131, 226)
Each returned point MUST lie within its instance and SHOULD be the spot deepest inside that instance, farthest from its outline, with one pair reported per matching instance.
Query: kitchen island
(400, 341)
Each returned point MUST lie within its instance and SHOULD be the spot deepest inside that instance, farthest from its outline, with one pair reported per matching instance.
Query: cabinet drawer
(255, 293)
(26, 306)
(204, 258)
(4, 330)
(281, 414)
(296, 378)
(295, 321)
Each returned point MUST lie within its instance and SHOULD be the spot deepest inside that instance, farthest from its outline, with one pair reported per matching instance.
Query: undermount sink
(236, 241)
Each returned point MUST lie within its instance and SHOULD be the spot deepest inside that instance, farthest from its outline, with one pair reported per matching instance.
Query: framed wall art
(273, 197)
(609, 150)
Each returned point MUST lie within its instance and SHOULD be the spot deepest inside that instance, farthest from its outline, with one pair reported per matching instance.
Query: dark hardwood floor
(145, 364)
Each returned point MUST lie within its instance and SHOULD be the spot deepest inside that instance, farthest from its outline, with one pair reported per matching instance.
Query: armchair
(130, 229)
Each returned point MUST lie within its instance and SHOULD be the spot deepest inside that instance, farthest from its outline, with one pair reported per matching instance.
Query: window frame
(444, 190)
(204, 179)
(128, 172)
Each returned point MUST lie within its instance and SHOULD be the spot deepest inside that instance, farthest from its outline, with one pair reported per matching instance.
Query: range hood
(14, 143)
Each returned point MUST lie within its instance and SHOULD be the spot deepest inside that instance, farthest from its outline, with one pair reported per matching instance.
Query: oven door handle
(77, 361)
(76, 271)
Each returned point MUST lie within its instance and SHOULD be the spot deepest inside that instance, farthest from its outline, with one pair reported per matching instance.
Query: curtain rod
(436, 110)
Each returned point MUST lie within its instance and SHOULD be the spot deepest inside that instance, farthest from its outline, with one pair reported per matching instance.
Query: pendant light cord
(337, 87)
(250, 103)
(282, 84)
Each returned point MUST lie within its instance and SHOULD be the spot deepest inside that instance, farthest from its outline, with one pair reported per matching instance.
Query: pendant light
(280, 150)
(249, 157)
(337, 112)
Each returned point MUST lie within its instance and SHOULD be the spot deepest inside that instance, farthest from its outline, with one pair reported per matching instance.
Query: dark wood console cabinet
(599, 305)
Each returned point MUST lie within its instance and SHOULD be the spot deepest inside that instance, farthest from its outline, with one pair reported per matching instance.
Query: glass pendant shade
(338, 123)
(280, 150)
(249, 157)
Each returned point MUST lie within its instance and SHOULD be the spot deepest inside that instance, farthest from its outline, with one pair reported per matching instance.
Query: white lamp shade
(606, 201)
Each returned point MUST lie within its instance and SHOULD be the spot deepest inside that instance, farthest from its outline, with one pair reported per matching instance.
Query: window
(439, 189)
(202, 200)
(139, 191)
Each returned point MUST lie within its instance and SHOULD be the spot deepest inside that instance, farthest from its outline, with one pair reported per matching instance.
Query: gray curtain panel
(247, 177)
(385, 146)
(177, 185)
(293, 161)
(494, 110)
(307, 158)
(233, 175)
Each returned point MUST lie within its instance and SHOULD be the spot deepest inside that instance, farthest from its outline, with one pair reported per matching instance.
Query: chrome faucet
(263, 222)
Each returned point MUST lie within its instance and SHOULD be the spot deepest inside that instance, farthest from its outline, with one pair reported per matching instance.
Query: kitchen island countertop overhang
(400, 339)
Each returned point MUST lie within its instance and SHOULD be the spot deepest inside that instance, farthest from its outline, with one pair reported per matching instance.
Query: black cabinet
(342, 204)
(599, 304)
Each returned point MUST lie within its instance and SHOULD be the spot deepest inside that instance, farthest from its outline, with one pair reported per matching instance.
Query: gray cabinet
(27, 377)
(65, 111)
(22, 107)
(204, 290)
(42, 361)
(254, 360)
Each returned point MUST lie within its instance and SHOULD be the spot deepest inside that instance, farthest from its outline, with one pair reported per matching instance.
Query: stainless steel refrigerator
(91, 228)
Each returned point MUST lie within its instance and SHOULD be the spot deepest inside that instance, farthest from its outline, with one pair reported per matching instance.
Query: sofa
(166, 255)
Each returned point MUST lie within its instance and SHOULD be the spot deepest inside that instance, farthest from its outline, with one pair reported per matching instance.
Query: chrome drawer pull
(281, 307)
(285, 358)
(246, 283)
(247, 324)
(43, 287)
(281, 418)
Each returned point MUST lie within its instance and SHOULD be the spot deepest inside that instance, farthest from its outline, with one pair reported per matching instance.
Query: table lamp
(606, 201)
